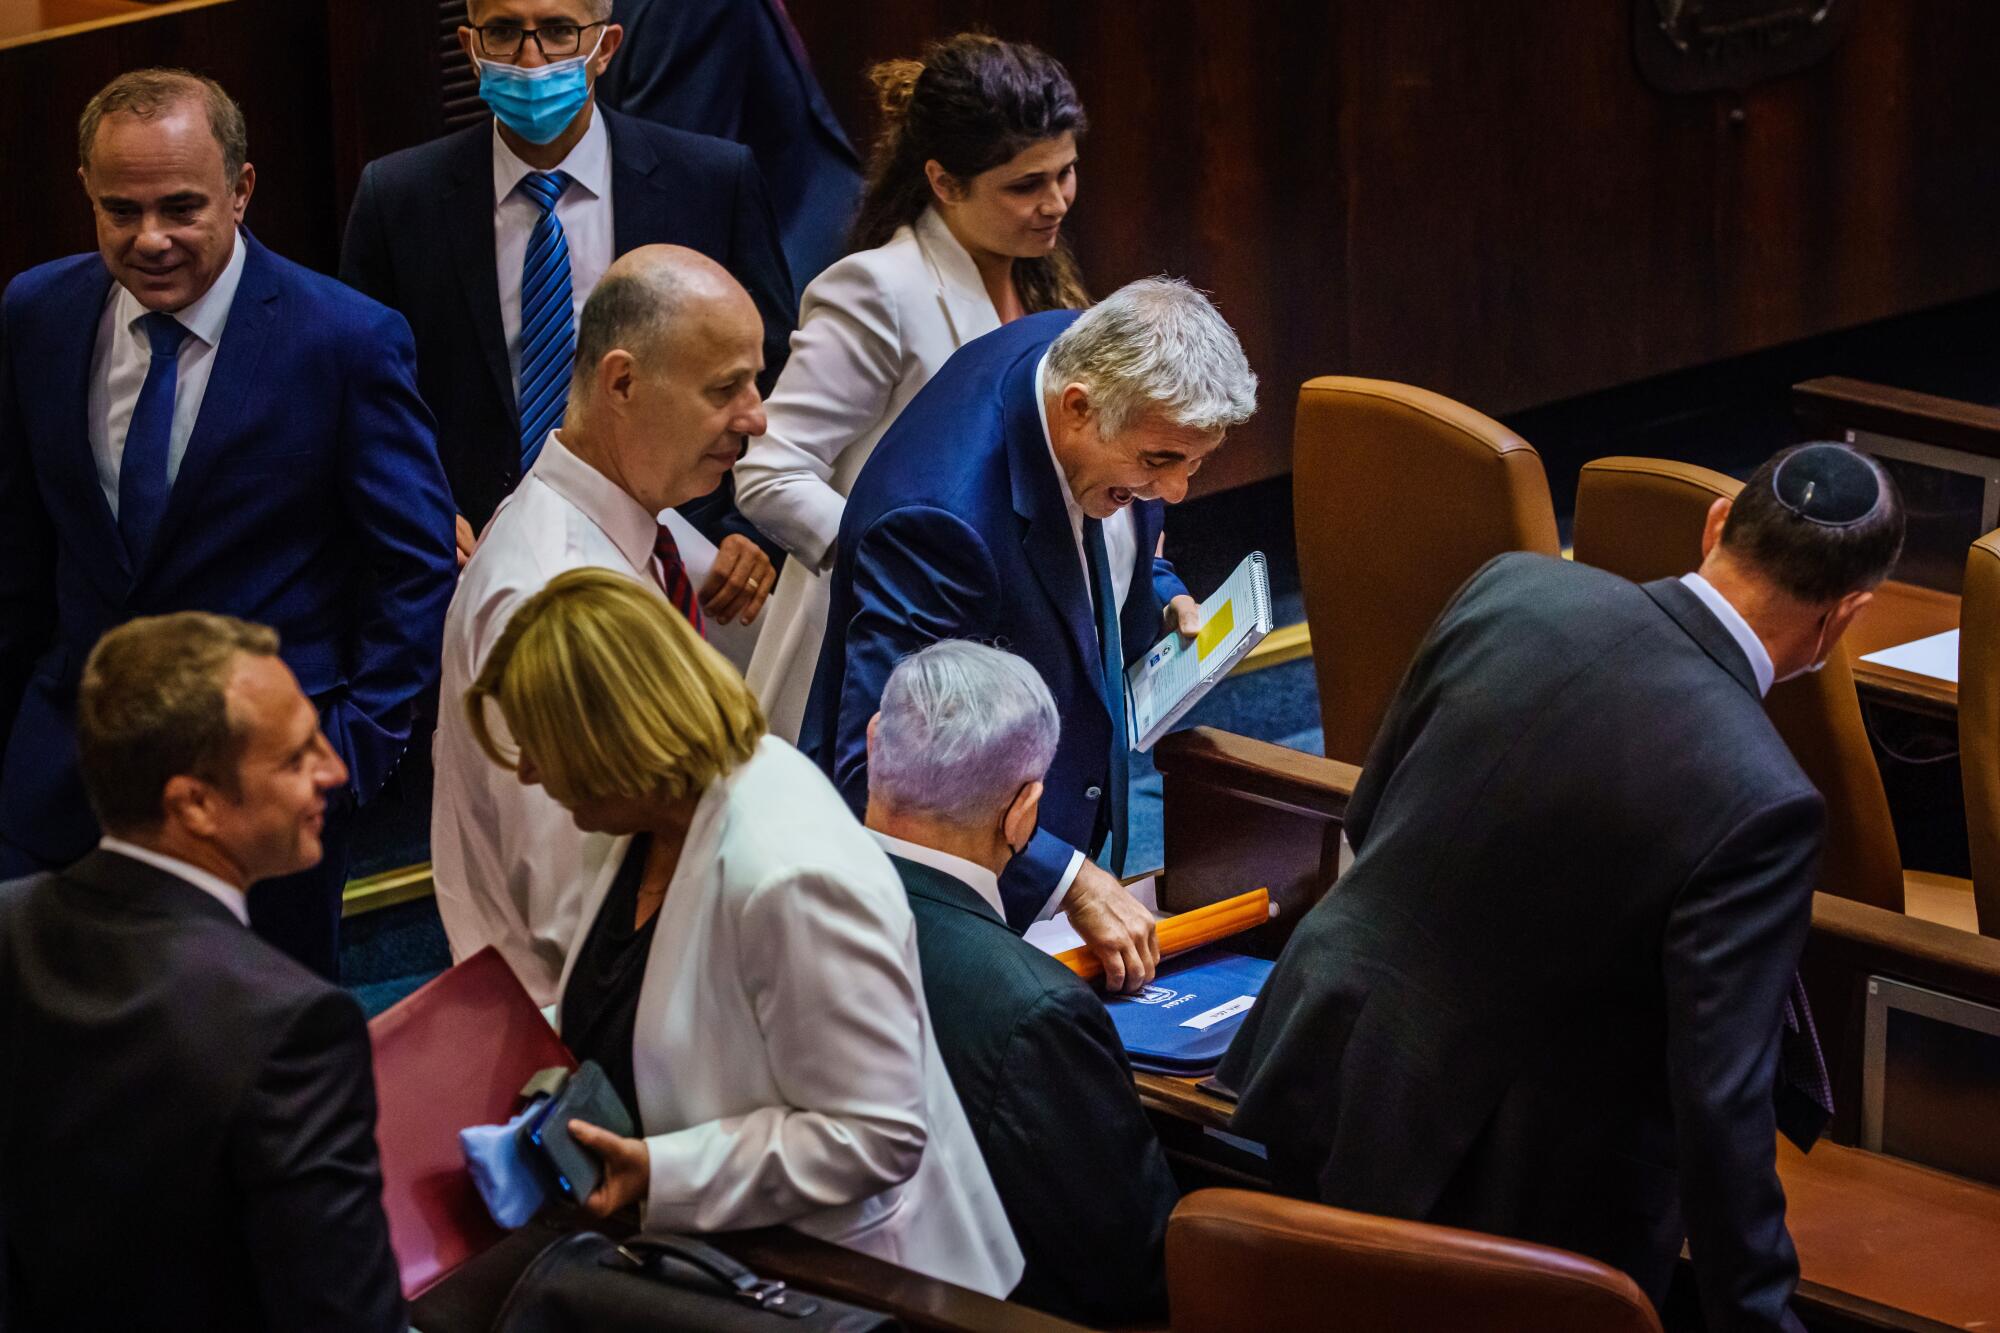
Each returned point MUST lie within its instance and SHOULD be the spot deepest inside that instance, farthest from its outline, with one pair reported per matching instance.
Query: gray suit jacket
(1545, 999)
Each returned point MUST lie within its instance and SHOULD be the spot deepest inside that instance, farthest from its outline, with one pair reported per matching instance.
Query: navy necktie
(142, 467)
(548, 324)
(1804, 1093)
(1111, 662)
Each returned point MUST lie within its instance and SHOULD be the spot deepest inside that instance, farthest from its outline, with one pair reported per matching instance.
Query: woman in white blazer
(746, 971)
(959, 232)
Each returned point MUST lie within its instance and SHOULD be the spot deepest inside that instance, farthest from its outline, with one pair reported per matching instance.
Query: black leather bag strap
(644, 1254)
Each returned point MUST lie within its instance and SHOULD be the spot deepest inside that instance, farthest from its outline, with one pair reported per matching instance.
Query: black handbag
(589, 1283)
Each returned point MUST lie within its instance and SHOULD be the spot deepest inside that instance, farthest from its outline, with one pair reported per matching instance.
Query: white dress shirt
(509, 864)
(1121, 535)
(118, 370)
(584, 211)
(1739, 629)
(969, 873)
(783, 1055)
(213, 885)
(873, 329)
(1121, 549)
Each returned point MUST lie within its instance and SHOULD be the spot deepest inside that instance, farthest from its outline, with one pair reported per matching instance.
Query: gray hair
(964, 727)
(599, 10)
(1156, 345)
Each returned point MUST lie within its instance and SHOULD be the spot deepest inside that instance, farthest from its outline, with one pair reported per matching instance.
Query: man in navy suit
(737, 69)
(1019, 499)
(188, 422)
(489, 240)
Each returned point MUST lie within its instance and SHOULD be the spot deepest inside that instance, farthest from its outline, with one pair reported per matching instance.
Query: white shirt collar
(588, 164)
(1076, 515)
(215, 887)
(621, 518)
(1739, 629)
(206, 314)
(971, 874)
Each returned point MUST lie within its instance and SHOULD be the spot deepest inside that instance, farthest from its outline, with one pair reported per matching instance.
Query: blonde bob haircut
(611, 693)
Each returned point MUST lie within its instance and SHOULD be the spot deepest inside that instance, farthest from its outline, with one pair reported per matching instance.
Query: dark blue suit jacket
(957, 529)
(736, 69)
(420, 241)
(310, 499)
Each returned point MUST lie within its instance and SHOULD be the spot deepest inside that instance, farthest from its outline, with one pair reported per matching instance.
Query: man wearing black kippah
(1554, 997)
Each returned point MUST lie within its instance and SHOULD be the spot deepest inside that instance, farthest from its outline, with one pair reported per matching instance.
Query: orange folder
(1188, 930)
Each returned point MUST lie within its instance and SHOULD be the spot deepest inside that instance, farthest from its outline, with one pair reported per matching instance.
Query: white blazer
(784, 1059)
(873, 329)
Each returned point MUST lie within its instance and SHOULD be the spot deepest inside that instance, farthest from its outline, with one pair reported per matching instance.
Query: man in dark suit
(956, 758)
(489, 240)
(1546, 1000)
(188, 421)
(162, 1070)
(1019, 499)
(737, 69)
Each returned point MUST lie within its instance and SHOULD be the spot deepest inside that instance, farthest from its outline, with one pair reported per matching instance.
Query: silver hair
(1156, 345)
(599, 10)
(964, 727)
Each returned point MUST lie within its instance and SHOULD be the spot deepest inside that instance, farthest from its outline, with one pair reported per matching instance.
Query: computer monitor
(1951, 498)
(1930, 1081)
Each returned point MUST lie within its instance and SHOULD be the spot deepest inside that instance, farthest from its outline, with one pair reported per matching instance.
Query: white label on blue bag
(1227, 1009)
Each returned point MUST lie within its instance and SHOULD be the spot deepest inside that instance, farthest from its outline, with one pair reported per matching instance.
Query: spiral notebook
(1171, 678)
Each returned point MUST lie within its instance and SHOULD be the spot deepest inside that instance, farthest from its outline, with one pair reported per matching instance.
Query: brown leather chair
(1979, 722)
(1238, 1261)
(1400, 494)
(1643, 518)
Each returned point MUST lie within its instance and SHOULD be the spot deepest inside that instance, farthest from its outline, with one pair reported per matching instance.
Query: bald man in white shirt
(665, 390)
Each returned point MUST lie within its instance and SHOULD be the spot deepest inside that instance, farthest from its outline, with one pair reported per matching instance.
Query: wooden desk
(1882, 1244)
(1900, 613)
(23, 22)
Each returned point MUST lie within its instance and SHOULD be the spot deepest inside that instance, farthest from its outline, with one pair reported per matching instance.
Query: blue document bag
(1183, 1022)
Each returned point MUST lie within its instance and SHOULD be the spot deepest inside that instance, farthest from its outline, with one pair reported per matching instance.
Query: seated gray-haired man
(1019, 499)
(956, 759)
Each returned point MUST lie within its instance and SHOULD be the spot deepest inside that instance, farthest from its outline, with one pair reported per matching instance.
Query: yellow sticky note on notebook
(1216, 630)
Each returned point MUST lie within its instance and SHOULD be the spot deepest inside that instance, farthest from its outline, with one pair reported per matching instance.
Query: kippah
(1827, 484)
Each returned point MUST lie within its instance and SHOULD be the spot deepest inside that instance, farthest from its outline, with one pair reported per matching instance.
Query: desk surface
(26, 21)
(1893, 1244)
(1901, 613)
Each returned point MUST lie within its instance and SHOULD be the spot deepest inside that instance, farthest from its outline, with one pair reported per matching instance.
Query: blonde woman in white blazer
(746, 971)
(960, 231)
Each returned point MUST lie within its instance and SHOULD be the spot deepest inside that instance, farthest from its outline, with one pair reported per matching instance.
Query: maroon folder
(453, 1054)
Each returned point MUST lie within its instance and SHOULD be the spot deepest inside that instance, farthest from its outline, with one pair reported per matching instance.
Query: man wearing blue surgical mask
(489, 240)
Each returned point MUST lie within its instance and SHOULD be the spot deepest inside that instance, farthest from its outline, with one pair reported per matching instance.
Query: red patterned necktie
(674, 580)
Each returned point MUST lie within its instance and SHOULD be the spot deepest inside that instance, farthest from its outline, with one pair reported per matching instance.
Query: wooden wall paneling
(384, 72)
(269, 54)
(1213, 154)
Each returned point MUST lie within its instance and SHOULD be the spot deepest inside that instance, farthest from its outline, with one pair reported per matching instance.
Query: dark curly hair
(972, 102)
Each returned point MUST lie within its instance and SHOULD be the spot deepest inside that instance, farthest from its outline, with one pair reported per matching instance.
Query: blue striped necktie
(142, 466)
(548, 326)
(1111, 662)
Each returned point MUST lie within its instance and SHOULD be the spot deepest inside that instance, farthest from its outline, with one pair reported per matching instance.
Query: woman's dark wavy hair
(972, 102)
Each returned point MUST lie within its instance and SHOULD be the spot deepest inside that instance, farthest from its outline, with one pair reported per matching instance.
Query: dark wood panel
(269, 54)
(1487, 200)
(1212, 154)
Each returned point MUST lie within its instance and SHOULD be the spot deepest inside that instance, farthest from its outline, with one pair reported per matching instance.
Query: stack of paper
(1936, 656)
(1172, 678)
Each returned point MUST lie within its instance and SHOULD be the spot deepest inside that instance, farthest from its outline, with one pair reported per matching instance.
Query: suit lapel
(75, 468)
(1701, 625)
(968, 310)
(232, 383)
(468, 221)
(638, 205)
(1047, 540)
